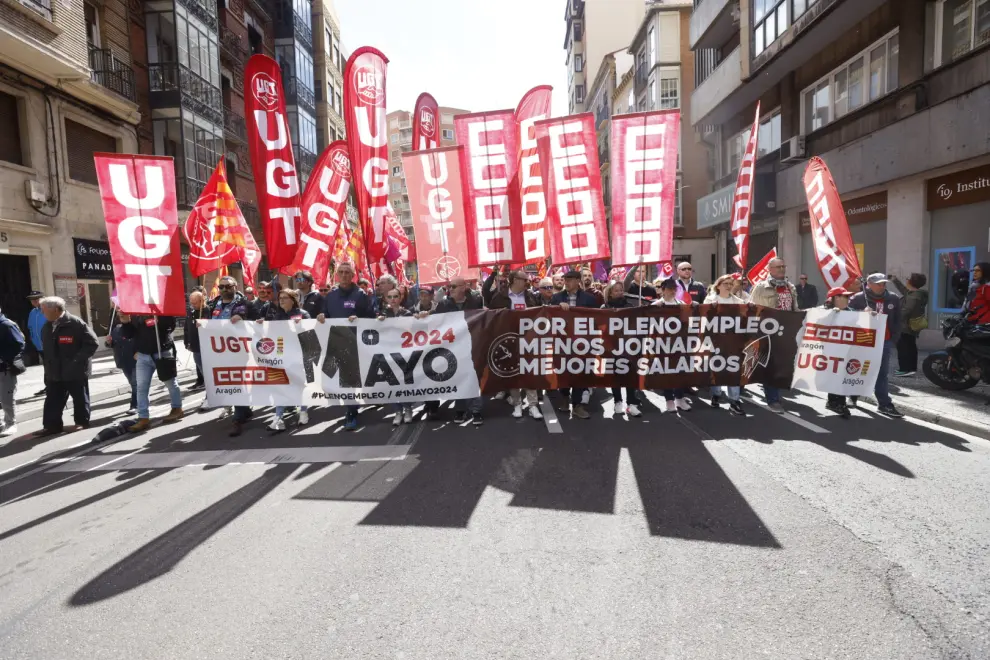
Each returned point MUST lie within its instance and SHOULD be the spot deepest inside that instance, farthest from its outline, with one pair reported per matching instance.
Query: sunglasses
(303, 279)
(685, 269)
(324, 290)
(547, 287)
(226, 286)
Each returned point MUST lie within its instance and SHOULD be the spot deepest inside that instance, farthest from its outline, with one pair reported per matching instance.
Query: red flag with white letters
(324, 206)
(834, 248)
(761, 270)
(575, 211)
(275, 178)
(644, 186)
(742, 198)
(490, 171)
(141, 212)
(534, 107)
(436, 198)
(367, 141)
(425, 123)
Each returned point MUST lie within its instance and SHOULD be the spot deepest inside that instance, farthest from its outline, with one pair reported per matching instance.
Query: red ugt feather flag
(426, 123)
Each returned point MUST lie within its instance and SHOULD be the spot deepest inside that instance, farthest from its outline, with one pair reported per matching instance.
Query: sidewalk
(106, 382)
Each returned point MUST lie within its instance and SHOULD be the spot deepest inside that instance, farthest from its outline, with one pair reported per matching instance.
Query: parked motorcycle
(966, 358)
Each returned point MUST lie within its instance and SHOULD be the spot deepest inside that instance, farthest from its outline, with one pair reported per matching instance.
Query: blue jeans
(772, 394)
(145, 372)
(733, 391)
(352, 411)
(882, 389)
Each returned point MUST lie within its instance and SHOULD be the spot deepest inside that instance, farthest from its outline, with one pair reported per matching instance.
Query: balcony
(205, 10)
(302, 32)
(234, 127)
(711, 23)
(305, 160)
(298, 94)
(173, 84)
(232, 46)
(725, 80)
(111, 73)
(188, 191)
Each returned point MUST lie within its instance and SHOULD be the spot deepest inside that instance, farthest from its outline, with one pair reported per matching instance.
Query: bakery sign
(966, 187)
(92, 259)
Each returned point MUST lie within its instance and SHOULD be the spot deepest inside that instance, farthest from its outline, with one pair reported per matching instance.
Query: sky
(475, 55)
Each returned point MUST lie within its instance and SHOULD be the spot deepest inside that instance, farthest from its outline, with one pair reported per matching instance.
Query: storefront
(93, 283)
(867, 218)
(715, 210)
(959, 205)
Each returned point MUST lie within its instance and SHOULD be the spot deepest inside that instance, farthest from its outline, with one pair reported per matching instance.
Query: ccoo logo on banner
(840, 352)
(338, 362)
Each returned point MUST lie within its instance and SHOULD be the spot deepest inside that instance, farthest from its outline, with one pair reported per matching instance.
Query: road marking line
(550, 415)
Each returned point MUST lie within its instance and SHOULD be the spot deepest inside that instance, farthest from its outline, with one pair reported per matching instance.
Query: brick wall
(139, 63)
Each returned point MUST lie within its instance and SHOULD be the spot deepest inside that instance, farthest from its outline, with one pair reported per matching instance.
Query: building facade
(329, 57)
(594, 28)
(904, 131)
(67, 89)
(663, 78)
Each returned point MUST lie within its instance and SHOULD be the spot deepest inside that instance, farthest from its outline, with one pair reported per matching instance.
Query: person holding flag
(775, 292)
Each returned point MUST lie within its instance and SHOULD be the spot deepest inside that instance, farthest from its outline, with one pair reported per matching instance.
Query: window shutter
(670, 42)
(81, 143)
(10, 138)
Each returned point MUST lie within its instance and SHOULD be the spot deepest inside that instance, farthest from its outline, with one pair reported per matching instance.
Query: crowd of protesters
(144, 349)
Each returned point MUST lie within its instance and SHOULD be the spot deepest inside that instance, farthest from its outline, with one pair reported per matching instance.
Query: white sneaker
(683, 403)
(397, 420)
(303, 418)
(620, 408)
(8, 431)
(671, 406)
(226, 412)
(501, 395)
(517, 412)
(277, 425)
(407, 415)
(632, 410)
(535, 413)
(586, 397)
(511, 400)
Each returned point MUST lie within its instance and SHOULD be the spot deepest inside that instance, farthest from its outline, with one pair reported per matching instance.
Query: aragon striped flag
(230, 228)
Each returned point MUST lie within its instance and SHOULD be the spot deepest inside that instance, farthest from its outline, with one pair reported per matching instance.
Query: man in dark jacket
(574, 296)
(309, 298)
(349, 302)
(807, 293)
(686, 284)
(494, 283)
(231, 306)
(68, 345)
(637, 287)
(11, 349)
(878, 300)
(519, 296)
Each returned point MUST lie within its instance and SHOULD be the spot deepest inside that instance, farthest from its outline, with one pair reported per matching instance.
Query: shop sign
(859, 210)
(716, 208)
(93, 260)
(966, 187)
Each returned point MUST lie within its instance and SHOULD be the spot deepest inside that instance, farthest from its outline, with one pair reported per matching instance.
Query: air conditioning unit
(792, 150)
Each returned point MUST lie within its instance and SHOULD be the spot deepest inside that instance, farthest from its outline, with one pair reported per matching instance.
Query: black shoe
(432, 415)
(477, 419)
(890, 411)
(735, 407)
(199, 385)
(853, 401)
(459, 416)
(716, 401)
(835, 407)
(845, 413)
(237, 430)
(41, 392)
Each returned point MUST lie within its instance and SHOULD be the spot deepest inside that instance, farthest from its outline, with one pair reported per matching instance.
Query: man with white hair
(546, 290)
(69, 345)
(385, 284)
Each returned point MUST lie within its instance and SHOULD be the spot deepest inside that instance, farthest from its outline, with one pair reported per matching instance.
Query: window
(653, 47)
(393, 122)
(304, 12)
(197, 45)
(327, 40)
(318, 86)
(770, 18)
(10, 137)
(447, 134)
(578, 63)
(397, 170)
(336, 58)
(669, 95)
(396, 186)
(92, 25)
(447, 118)
(394, 155)
(303, 129)
(579, 93)
(678, 204)
(863, 79)
(330, 95)
(652, 91)
(80, 143)
(340, 104)
(768, 140)
(578, 31)
(960, 26)
(304, 68)
(394, 138)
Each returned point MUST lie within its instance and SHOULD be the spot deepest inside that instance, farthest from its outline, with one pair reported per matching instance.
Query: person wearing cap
(36, 321)
(427, 302)
(574, 296)
(838, 299)
(676, 398)
(309, 298)
(876, 298)
(775, 292)
(69, 347)
(546, 290)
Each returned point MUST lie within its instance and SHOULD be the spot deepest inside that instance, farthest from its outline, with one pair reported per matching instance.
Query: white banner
(840, 352)
(338, 362)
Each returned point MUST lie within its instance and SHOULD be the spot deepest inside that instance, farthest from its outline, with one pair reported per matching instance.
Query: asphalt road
(694, 536)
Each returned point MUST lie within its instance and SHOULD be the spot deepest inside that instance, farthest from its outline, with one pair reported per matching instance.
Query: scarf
(776, 283)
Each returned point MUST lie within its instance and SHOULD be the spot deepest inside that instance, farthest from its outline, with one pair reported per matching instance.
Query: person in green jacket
(914, 312)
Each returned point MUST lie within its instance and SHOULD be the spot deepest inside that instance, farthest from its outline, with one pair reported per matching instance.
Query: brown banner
(645, 348)
(966, 187)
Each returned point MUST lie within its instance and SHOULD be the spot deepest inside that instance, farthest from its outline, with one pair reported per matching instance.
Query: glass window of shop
(198, 48)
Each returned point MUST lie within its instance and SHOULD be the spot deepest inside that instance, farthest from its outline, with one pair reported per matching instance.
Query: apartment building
(594, 28)
(67, 89)
(663, 79)
(329, 58)
(400, 141)
(602, 102)
(905, 131)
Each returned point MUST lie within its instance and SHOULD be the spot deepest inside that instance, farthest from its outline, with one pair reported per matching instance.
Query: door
(98, 307)
(15, 274)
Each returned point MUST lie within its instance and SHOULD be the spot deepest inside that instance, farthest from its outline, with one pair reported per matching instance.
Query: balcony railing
(195, 93)
(205, 11)
(303, 32)
(251, 216)
(305, 159)
(111, 73)
(298, 94)
(232, 46)
(234, 127)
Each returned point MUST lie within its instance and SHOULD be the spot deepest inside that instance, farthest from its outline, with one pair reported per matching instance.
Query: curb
(954, 423)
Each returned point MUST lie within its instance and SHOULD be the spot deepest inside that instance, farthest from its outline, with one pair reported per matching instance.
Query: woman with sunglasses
(721, 293)
(288, 310)
(393, 309)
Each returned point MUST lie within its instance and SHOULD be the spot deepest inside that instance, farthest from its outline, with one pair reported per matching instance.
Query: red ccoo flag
(426, 123)
(761, 270)
(834, 248)
(742, 198)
